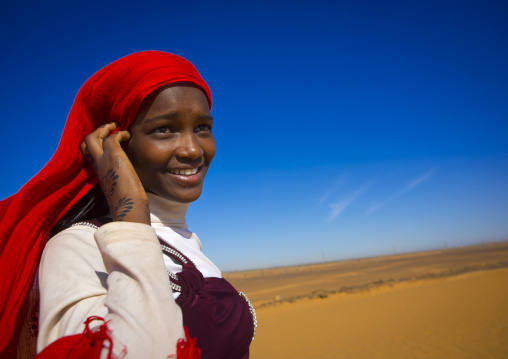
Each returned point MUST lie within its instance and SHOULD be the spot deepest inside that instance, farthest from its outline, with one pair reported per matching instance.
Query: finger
(114, 140)
(93, 141)
(105, 130)
(87, 155)
(122, 136)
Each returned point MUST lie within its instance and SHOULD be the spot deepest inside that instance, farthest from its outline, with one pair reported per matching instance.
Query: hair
(91, 206)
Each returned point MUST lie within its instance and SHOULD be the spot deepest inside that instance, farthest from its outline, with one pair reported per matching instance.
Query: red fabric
(89, 344)
(115, 93)
(186, 348)
(80, 346)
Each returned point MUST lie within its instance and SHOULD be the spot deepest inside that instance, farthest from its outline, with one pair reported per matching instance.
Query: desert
(448, 303)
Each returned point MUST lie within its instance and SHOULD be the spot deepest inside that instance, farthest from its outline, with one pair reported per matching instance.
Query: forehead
(176, 99)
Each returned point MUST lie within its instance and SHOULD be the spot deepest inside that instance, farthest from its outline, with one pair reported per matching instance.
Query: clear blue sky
(344, 129)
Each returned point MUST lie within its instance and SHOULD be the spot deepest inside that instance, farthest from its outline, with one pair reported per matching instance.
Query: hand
(118, 179)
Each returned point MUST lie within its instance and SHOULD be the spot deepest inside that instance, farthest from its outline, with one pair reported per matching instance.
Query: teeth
(186, 172)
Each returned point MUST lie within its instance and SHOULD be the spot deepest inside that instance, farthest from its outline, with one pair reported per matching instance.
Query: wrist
(133, 210)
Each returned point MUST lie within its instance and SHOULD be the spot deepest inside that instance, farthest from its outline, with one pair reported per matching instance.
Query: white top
(118, 272)
(168, 220)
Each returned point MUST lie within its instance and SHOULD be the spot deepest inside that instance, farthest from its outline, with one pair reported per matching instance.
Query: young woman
(122, 276)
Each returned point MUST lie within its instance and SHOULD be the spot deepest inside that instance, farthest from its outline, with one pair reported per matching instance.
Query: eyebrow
(172, 114)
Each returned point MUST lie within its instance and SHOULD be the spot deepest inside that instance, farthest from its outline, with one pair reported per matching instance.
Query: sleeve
(118, 275)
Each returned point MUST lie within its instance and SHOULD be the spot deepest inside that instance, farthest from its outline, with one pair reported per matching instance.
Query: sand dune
(441, 304)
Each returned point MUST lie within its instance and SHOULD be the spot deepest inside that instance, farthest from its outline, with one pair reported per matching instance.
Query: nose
(189, 147)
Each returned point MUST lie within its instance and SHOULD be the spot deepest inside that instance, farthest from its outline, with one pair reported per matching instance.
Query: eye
(203, 127)
(163, 130)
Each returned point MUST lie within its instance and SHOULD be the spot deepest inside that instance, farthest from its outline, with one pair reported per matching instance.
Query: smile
(184, 172)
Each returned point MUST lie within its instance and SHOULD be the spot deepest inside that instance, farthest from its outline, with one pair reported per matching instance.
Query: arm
(140, 302)
(137, 300)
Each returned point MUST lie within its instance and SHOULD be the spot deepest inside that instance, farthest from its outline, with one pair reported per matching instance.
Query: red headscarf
(115, 93)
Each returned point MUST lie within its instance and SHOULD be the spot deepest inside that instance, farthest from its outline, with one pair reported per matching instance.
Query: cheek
(145, 156)
(209, 148)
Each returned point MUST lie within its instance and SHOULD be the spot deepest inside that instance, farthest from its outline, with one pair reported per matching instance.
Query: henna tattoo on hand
(109, 182)
(124, 206)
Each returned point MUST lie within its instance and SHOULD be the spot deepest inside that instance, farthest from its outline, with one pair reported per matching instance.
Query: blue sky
(343, 129)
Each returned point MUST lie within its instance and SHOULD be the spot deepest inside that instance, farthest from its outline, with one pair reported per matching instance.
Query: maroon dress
(213, 311)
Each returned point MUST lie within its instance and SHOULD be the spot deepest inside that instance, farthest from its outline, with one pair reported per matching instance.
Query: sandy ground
(442, 304)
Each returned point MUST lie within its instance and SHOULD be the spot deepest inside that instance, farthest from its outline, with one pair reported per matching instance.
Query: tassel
(186, 348)
(101, 334)
(87, 345)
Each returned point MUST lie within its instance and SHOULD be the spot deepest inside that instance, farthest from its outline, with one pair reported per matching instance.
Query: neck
(167, 212)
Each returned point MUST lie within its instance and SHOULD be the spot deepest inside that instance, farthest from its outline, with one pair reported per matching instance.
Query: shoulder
(71, 238)
(72, 246)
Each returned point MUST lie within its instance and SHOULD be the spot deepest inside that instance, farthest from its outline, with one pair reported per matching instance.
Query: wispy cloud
(416, 182)
(412, 184)
(337, 208)
(338, 183)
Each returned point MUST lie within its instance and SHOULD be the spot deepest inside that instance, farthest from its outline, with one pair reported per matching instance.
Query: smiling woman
(122, 276)
(172, 144)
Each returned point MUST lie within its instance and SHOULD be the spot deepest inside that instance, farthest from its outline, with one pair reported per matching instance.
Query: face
(172, 145)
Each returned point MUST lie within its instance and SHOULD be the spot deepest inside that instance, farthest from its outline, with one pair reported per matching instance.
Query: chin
(187, 198)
